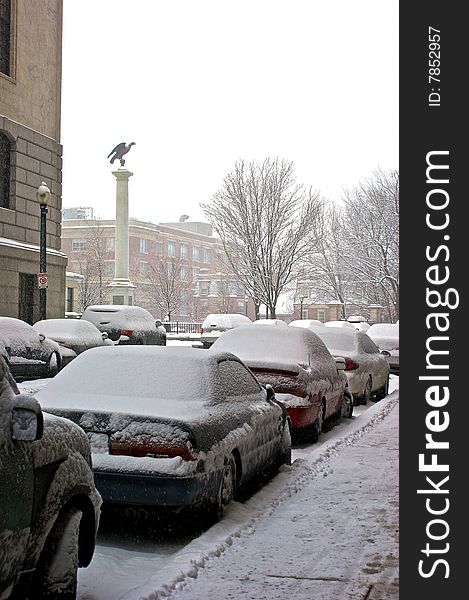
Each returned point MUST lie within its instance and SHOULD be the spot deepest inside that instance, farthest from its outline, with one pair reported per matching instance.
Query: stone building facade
(30, 153)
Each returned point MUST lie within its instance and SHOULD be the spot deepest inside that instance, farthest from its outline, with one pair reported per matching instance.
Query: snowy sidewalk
(331, 533)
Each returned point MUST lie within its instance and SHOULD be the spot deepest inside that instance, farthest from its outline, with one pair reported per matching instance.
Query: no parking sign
(42, 280)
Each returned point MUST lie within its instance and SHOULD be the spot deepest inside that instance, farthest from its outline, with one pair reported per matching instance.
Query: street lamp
(302, 298)
(43, 197)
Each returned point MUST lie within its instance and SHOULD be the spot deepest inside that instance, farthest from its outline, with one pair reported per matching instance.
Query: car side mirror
(340, 363)
(27, 425)
(104, 335)
(158, 323)
(42, 337)
(385, 353)
(270, 391)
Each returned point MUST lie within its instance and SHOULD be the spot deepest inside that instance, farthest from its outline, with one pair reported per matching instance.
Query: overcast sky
(199, 84)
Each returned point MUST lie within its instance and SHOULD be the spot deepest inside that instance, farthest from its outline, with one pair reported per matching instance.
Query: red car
(299, 367)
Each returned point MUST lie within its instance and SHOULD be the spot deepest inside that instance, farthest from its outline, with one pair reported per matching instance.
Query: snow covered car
(345, 324)
(126, 325)
(308, 323)
(269, 322)
(299, 367)
(171, 426)
(366, 368)
(215, 324)
(386, 337)
(49, 504)
(30, 354)
(74, 336)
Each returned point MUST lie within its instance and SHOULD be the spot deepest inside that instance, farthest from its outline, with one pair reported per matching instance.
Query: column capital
(122, 174)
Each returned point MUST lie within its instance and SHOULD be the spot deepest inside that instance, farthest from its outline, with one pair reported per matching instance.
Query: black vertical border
(425, 128)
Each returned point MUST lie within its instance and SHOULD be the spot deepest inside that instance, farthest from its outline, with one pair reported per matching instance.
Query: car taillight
(350, 365)
(127, 332)
(66, 345)
(143, 446)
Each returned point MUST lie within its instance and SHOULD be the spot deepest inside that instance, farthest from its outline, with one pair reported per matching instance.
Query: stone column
(121, 287)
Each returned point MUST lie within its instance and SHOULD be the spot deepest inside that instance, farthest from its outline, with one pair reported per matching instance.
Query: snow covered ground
(326, 528)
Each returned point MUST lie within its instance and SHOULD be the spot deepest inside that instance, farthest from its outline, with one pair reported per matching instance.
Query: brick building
(201, 280)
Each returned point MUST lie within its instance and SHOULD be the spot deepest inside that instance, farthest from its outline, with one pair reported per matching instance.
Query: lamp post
(43, 197)
(302, 298)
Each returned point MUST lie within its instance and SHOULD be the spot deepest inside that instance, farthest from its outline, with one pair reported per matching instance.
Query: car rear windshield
(337, 339)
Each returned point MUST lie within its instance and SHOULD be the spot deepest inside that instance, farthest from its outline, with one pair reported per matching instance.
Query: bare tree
(371, 223)
(168, 284)
(264, 220)
(92, 265)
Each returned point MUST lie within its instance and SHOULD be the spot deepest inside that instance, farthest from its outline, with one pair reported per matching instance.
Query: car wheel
(227, 488)
(53, 366)
(347, 405)
(367, 393)
(57, 569)
(383, 392)
(318, 424)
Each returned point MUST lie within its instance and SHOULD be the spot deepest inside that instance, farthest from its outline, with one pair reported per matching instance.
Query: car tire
(383, 392)
(367, 392)
(347, 405)
(318, 425)
(58, 566)
(227, 488)
(53, 366)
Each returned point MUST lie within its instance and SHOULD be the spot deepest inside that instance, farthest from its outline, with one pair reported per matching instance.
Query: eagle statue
(119, 152)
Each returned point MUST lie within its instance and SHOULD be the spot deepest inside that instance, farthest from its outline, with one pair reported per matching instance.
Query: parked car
(73, 336)
(189, 429)
(366, 368)
(49, 504)
(300, 369)
(30, 354)
(339, 324)
(126, 324)
(308, 323)
(269, 322)
(386, 337)
(216, 324)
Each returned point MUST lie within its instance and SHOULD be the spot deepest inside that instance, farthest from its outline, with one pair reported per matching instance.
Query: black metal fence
(182, 327)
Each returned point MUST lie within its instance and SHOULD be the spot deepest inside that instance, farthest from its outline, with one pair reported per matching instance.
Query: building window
(195, 273)
(109, 268)
(78, 245)
(110, 244)
(159, 248)
(183, 273)
(69, 300)
(5, 159)
(171, 248)
(207, 256)
(5, 36)
(184, 252)
(143, 268)
(143, 246)
(195, 253)
(204, 288)
(321, 315)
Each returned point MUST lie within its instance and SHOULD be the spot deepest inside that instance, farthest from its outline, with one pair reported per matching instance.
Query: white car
(269, 322)
(366, 368)
(386, 337)
(307, 323)
(339, 324)
(216, 324)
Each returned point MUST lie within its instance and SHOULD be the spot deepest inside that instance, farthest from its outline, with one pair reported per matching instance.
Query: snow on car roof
(269, 322)
(273, 344)
(66, 328)
(306, 323)
(345, 324)
(225, 321)
(116, 314)
(135, 380)
(16, 334)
